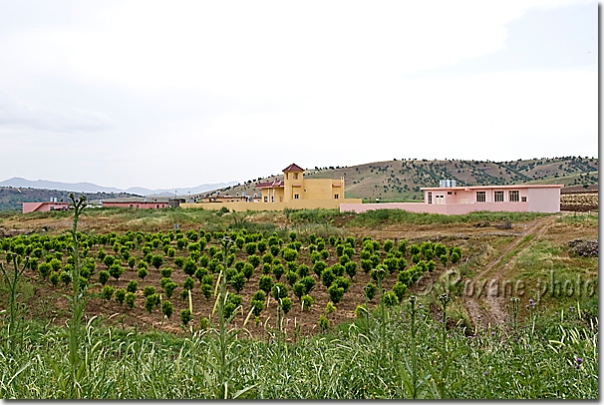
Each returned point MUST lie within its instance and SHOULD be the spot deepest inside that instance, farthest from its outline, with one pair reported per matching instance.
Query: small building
(462, 200)
(175, 202)
(228, 198)
(44, 206)
(141, 203)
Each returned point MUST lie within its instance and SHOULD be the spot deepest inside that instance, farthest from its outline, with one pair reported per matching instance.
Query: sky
(181, 93)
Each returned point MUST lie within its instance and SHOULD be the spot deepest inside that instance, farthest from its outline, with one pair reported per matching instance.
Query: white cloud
(27, 114)
(319, 83)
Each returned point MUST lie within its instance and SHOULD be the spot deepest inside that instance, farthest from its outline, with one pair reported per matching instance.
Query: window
(514, 196)
(429, 197)
(498, 196)
(523, 199)
(481, 196)
(157, 206)
(296, 196)
(273, 198)
(130, 205)
(295, 176)
(336, 196)
(265, 199)
(449, 193)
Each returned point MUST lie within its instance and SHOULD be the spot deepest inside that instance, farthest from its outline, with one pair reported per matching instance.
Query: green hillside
(401, 180)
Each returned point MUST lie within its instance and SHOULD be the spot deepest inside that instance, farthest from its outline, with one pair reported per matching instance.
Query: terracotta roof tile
(293, 168)
(271, 184)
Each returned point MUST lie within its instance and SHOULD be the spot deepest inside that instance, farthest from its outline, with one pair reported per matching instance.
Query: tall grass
(557, 360)
(376, 218)
(311, 216)
(78, 303)
(11, 280)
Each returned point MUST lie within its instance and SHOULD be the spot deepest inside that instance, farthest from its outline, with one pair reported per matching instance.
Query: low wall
(449, 209)
(544, 199)
(43, 206)
(276, 206)
(135, 204)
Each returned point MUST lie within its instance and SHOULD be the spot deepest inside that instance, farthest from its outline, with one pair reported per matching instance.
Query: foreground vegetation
(371, 358)
(399, 345)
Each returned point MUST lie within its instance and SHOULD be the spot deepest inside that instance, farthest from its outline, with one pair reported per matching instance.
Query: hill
(401, 180)
(93, 188)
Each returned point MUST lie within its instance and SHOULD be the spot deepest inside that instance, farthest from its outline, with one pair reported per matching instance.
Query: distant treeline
(12, 197)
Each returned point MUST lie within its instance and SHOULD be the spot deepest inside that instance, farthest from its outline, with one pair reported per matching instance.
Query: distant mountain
(93, 188)
(402, 179)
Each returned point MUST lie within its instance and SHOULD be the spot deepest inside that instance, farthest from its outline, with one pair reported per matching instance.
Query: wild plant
(413, 331)
(221, 360)
(12, 281)
(78, 303)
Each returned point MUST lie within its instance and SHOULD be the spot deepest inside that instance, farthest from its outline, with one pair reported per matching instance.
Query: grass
(512, 253)
(123, 219)
(377, 218)
(551, 276)
(348, 362)
(577, 218)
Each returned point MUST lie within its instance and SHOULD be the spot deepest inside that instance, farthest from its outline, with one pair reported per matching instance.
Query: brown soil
(296, 322)
(49, 302)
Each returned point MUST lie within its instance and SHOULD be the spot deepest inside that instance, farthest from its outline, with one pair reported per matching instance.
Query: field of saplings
(256, 311)
(170, 279)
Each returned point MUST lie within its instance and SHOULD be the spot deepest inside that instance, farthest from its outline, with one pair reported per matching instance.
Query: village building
(44, 206)
(137, 203)
(449, 199)
(294, 187)
(292, 191)
(228, 198)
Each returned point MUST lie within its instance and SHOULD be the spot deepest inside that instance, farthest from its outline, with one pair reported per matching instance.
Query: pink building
(136, 204)
(44, 206)
(462, 200)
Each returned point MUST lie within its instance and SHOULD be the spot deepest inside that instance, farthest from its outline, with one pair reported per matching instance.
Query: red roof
(271, 184)
(293, 168)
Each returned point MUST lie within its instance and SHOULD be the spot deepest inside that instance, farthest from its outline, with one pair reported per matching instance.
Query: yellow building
(294, 187)
(293, 191)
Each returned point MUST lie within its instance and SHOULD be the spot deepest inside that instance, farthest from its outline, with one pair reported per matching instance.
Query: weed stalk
(78, 302)
(226, 244)
(515, 306)
(380, 274)
(444, 300)
(412, 300)
(12, 280)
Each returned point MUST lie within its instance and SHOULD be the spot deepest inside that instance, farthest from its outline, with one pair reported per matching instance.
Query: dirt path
(489, 295)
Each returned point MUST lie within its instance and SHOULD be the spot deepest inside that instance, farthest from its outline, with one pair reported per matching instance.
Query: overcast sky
(174, 94)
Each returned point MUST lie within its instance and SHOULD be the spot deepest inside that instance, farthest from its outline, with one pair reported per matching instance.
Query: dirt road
(487, 304)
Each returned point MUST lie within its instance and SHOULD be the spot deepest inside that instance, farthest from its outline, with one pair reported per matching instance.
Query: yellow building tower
(293, 183)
